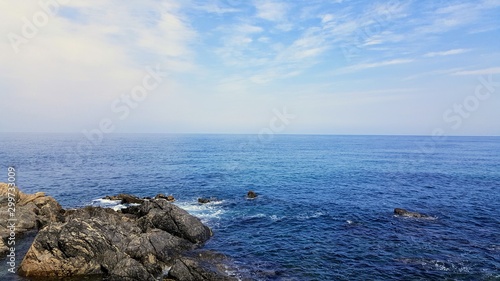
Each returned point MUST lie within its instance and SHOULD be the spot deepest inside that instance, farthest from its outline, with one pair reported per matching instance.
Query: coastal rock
(201, 266)
(125, 199)
(251, 194)
(31, 210)
(169, 198)
(163, 215)
(134, 244)
(3, 248)
(405, 213)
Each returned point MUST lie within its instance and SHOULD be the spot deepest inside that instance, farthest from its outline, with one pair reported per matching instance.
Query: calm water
(325, 205)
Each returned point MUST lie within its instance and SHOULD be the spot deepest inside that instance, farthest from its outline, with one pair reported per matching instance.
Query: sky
(256, 66)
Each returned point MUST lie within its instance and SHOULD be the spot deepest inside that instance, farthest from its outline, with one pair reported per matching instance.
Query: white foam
(306, 217)
(103, 202)
(112, 204)
(208, 212)
(276, 218)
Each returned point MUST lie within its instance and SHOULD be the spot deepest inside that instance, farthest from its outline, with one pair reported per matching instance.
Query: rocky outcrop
(200, 266)
(32, 211)
(405, 213)
(135, 244)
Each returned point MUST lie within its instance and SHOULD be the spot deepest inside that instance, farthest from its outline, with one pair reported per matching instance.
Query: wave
(209, 213)
(112, 204)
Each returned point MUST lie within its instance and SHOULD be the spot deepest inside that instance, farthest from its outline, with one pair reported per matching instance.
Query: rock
(251, 194)
(3, 248)
(168, 217)
(169, 198)
(32, 210)
(135, 244)
(203, 200)
(201, 266)
(125, 199)
(405, 213)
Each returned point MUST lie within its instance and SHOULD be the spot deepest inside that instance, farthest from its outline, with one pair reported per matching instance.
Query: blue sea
(325, 204)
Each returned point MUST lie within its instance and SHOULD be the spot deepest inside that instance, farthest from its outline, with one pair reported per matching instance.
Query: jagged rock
(405, 213)
(251, 194)
(201, 266)
(135, 244)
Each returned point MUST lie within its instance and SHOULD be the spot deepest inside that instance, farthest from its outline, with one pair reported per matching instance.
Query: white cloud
(446, 53)
(78, 64)
(271, 10)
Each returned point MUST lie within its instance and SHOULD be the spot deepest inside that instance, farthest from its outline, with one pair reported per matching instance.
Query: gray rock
(134, 244)
(31, 210)
(125, 198)
(203, 200)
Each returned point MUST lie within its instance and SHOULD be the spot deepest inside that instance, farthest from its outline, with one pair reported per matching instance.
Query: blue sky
(232, 66)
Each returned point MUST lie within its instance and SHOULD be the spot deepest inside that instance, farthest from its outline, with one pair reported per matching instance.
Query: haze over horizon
(229, 66)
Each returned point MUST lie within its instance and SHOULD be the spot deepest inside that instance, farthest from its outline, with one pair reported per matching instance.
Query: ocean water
(325, 204)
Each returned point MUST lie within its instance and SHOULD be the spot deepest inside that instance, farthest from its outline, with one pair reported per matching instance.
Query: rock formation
(32, 211)
(140, 242)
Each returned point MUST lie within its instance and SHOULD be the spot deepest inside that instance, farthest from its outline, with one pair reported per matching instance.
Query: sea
(325, 203)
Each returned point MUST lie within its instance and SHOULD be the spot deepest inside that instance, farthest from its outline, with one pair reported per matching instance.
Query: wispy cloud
(484, 71)
(363, 66)
(446, 53)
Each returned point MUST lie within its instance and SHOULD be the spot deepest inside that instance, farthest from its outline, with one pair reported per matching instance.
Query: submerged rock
(405, 213)
(134, 244)
(201, 266)
(203, 200)
(251, 194)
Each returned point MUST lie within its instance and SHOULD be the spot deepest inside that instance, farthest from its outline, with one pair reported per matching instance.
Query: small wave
(439, 265)
(276, 218)
(312, 216)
